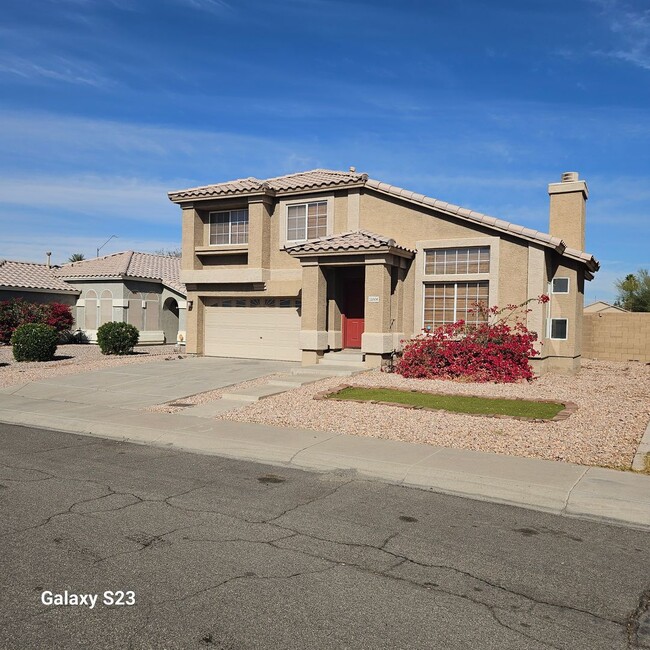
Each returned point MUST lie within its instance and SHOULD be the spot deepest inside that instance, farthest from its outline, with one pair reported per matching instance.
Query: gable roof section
(28, 275)
(127, 264)
(324, 179)
(358, 241)
(316, 179)
(601, 306)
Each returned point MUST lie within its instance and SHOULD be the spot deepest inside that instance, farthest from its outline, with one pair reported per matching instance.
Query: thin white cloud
(94, 196)
(209, 6)
(632, 27)
(54, 69)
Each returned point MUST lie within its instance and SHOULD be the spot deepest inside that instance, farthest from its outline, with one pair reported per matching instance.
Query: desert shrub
(17, 312)
(117, 338)
(59, 316)
(34, 342)
(496, 350)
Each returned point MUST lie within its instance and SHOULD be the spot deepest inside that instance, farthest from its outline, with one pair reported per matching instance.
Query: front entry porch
(350, 282)
(352, 295)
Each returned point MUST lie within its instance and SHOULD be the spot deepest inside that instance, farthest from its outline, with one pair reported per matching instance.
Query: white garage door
(253, 328)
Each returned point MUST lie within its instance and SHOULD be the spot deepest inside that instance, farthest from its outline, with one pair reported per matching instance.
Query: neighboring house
(295, 266)
(34, 283)
(138, 288)
(602, 307)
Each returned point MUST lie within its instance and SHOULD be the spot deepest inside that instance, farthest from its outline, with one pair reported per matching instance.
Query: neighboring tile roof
(128, 264)
(28, 275)
(322, 179)
(358, 240)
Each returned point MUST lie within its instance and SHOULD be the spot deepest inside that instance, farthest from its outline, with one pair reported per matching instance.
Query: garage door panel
(252, 332)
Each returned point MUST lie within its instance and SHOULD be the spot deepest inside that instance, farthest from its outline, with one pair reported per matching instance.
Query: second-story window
(455, 261)
(229, 227)
(306, 221)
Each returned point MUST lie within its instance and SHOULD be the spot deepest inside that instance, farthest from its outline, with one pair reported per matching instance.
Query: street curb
(639, 462)
(592, 493)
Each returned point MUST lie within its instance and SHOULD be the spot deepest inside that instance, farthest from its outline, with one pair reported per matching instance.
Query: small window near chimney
(559, 328)
(560, 285)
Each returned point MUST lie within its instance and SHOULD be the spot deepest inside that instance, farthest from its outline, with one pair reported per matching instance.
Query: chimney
(49, 260)
(568, 200)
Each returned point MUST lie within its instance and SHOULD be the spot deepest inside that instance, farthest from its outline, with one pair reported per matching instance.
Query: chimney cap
(569, 177)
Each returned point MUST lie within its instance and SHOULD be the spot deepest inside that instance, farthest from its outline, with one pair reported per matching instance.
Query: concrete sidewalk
(559, 488)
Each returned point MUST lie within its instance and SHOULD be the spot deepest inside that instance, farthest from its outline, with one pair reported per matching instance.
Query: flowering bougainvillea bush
(497, 350)
(17, 312)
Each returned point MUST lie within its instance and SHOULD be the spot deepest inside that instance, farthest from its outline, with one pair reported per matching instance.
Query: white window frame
(550, 329)
(458, 248)
(214, 213)
(294, 204)
(568, 286)
(422, 278)
(455, 283)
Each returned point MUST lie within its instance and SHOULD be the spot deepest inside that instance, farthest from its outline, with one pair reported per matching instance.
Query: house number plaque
(373, 298)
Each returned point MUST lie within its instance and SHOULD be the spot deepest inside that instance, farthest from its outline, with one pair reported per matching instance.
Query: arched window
(105, 307)
(151, 312)
(90, 317)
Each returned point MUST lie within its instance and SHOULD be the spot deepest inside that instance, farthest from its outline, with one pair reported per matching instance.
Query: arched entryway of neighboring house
(170, 320)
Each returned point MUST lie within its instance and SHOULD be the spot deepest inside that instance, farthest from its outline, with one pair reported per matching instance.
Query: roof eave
(175, 197)
(380, 250)
(182, 197)
(16, 287)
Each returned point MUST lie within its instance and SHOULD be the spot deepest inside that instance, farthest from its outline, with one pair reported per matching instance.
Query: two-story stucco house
(299, 265)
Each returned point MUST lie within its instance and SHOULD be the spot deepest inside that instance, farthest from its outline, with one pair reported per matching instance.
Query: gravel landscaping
(72, 359)
(613, 411)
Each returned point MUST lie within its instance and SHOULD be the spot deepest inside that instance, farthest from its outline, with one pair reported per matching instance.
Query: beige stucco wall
(569, 306)
(412, 227)
(617, 336)
(519, 270)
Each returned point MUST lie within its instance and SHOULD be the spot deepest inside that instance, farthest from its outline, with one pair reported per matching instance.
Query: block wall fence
(617, 336)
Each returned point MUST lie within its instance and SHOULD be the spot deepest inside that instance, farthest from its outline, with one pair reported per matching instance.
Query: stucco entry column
(377, 338)
(313, 324)
(181, 338)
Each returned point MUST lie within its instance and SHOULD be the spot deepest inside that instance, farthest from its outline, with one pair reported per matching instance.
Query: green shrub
(34, 342)
(117, 338)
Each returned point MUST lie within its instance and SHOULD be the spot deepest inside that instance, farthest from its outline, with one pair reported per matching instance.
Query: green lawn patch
(456, 403)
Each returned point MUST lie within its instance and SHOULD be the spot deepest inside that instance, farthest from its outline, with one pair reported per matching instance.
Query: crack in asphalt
(631, 624)
(43, 451)
(245, 576)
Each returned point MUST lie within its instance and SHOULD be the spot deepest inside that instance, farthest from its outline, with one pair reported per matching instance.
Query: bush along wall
(34, 342)
(495, 350)
(17, 312)
(117, 338)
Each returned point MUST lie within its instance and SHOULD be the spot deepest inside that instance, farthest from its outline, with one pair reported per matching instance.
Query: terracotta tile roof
(27, 275)
(314, 179)
(128, 264)
(358, 240)
(322, 179)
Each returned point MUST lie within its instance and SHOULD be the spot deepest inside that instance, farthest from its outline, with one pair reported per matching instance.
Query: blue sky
(108, 104)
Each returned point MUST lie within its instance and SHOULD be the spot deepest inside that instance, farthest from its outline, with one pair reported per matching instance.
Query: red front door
(352, 321)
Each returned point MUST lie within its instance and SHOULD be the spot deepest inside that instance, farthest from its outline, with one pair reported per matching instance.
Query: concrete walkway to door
(110, 403)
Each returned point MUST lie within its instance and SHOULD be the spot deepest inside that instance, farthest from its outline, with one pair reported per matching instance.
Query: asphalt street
(218, 553)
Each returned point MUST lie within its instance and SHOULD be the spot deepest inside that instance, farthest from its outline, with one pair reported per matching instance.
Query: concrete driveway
(141, 385)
